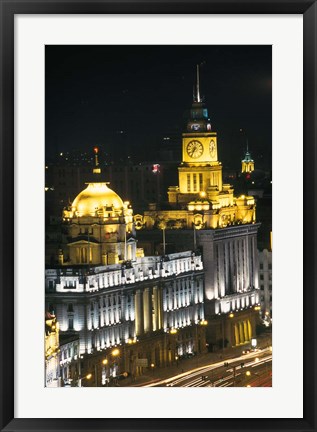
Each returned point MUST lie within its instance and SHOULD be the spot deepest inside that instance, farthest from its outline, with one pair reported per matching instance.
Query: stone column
(241, 332)
(138, 313)
(147, 312)
(226, 267)
(158, 308)
(236, 334)
(250, 329)
(246, 331)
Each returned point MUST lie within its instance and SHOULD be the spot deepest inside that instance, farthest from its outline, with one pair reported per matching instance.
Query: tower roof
(198, 120)
(96, 196)
(247, 157)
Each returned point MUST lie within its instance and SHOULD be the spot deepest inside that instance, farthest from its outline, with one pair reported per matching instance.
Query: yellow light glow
(173, 331)
(88, 376)
(248, 373)
(115, 352)
(203, 194)
(231, 315)
(152, 365)
(105, 361)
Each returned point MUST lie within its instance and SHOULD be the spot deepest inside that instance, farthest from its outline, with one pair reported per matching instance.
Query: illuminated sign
(155, 168)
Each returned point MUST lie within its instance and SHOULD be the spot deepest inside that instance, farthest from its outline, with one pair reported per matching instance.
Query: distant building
(247, 163)
(140, 184)
(265, 273)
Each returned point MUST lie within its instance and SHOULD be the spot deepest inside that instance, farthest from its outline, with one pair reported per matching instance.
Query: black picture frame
(8, 9)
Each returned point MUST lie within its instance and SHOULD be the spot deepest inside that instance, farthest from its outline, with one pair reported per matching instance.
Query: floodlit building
(150, 309)
(142, 290)
(204, 213)
(265, 272)
(52, 373)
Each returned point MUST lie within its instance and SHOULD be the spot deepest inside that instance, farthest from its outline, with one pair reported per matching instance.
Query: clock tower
(200, 171)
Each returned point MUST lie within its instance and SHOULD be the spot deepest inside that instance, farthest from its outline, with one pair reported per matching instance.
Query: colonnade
(148, 310)
(242, 331)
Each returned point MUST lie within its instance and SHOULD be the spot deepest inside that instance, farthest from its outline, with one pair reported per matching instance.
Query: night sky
(125, 99)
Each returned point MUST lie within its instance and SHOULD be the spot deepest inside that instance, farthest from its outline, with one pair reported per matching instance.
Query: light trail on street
(216, 374)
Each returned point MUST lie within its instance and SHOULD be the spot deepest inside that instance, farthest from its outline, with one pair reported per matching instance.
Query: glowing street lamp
(87, 377)
(115, 352)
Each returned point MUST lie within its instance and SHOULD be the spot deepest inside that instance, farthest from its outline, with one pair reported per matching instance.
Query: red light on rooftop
(96, 149)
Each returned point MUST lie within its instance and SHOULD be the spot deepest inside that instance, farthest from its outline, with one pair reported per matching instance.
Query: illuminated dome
(96, 197)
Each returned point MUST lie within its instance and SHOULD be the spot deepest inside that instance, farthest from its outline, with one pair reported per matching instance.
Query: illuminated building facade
(205, 214)
(69, 359)
(247, 163)
(149, 308)
(265, 271)
(52, 372)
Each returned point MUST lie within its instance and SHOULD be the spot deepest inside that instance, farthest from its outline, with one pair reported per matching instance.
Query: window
(70, 324)
(195, 182)
(70, 308)
(270, 266)
(201, 186)
(262, 287)
(261, 266)
(261, 277)
(188, 182)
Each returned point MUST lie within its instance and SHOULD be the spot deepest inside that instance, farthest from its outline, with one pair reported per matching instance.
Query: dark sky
(94, 93)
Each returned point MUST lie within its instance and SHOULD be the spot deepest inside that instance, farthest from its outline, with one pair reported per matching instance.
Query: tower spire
(198, 99)
(96, 169)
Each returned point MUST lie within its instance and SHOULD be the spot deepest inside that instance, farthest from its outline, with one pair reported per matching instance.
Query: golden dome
(96, 197)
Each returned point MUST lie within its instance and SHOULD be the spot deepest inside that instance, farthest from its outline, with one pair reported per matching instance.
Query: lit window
(195, 182)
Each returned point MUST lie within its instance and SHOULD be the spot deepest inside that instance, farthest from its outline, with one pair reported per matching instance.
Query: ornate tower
(200, 171)
(99, 226)
(247, 163)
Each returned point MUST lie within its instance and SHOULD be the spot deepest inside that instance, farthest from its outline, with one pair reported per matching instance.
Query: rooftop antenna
(197, 86)
(246, 138)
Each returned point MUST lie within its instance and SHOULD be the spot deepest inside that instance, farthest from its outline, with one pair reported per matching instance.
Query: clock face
(195, 127)
(194, 149)
(212, 148)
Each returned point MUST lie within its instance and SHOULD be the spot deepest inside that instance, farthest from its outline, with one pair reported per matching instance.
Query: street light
(115, 352)
(88, 377)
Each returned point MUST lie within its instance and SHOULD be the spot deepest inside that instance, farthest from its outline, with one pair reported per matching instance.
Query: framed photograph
(149, 152)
